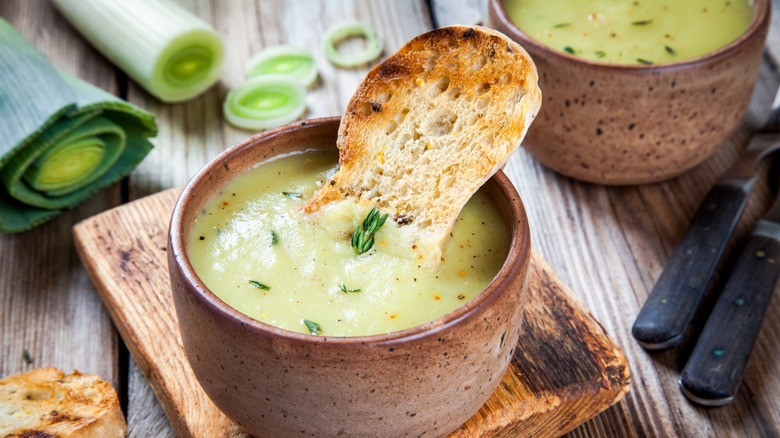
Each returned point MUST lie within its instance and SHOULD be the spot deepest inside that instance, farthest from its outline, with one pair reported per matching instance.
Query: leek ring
(340, 31)
(294, 62)
(265, 102)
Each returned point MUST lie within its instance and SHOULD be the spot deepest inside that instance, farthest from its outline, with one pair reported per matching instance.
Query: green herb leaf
(293, 195)
(26, 356)
(600, 53)
(259, 285)
(641, 23)
(347, 291)
(568, 50)
(274, 237)
(560, 25)
(313, 327)
(363, 239)
(670, 50)
(643, 61)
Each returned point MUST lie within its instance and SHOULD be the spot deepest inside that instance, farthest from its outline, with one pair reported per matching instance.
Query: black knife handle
(715, 368)
(672, 303)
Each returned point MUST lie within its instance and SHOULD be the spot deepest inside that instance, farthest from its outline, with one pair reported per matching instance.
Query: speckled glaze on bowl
(632, 124)
(423, 381)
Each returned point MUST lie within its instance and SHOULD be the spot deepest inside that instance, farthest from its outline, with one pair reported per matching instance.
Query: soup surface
(632, 31)
(255, 250)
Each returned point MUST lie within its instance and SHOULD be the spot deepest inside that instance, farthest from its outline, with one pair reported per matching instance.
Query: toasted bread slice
(47, 403)
(429, 125)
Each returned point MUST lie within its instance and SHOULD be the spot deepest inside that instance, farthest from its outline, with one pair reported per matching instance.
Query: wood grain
(47, 304)
(124, 251)
(608, 244)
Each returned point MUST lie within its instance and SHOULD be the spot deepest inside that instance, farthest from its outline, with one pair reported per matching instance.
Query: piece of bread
(47, 403)
(429, 125)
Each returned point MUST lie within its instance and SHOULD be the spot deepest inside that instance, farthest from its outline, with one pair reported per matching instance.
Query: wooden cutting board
(565, 370)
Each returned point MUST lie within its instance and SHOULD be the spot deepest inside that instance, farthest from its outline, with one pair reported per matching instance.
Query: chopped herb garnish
(313, 327)
(560, 25)
(347, 291)
(274, 237)
(601, 53)
(641, 23)
(293, 195)
(363, 239)
(26, 356)
(670, 50)
(643, 61)
(568, 50)
(259, 285)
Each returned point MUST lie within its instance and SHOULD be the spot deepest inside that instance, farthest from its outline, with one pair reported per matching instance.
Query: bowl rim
(759, 23)
(518, 258)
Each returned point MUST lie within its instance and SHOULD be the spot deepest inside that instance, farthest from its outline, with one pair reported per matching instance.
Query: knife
(713, 373)
(672, 303)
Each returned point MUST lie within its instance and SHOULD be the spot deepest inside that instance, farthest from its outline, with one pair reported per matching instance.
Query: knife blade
(714, 371)
(673, 301)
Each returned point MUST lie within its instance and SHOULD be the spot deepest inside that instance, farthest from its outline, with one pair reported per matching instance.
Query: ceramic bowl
(276, 383)
(632, 124)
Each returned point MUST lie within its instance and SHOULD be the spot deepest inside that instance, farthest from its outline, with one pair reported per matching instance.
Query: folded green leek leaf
(61, 139)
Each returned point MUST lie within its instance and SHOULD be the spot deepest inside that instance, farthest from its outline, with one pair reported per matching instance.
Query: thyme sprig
(313, 327)
(344, 289)
(363, 237)
(259, 285)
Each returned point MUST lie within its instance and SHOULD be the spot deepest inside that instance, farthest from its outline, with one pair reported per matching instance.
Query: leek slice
(265, 102)
(166, 49)
(341, 31)
(63, 139)
(294, 62)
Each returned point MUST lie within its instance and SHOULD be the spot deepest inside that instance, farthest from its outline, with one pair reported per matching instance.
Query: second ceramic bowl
(426, 380)
(632, 124)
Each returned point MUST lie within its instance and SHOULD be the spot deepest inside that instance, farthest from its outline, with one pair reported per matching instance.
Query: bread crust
(429, 125)
(47, 403)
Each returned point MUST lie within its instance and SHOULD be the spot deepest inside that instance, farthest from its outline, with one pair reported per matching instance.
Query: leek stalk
(166, 49)
(63, 139)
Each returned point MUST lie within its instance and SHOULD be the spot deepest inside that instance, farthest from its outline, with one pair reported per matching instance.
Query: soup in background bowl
(273, 382)
(637, 123)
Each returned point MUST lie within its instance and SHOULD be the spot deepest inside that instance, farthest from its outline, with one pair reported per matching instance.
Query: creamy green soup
(632, 31)
(256, 251)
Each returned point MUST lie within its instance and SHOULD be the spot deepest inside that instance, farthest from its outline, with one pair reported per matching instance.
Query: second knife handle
(672, 303)
(715, 368)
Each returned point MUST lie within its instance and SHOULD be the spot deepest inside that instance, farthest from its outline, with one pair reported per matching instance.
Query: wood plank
(612, 244)
(536, 399)
(47, 304)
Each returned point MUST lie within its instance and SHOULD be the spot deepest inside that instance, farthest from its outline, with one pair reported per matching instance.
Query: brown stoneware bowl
(426, 380)
(632, 124)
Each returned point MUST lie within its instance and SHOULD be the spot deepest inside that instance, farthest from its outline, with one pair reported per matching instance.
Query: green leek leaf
(63, 139)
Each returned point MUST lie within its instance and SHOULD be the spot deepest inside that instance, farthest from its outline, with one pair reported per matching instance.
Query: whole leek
(166, 49)
(62, 138)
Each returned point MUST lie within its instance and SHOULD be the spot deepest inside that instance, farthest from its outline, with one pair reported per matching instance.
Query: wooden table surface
(609, 244)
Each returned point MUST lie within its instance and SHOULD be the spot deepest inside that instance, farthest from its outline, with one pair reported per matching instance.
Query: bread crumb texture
(46, 403)
(429, 125)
